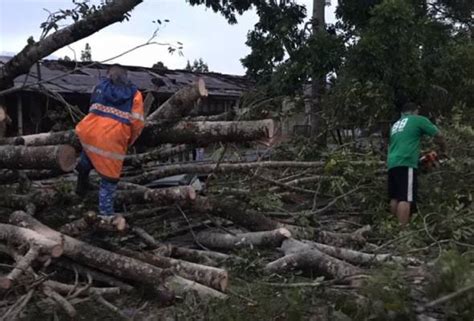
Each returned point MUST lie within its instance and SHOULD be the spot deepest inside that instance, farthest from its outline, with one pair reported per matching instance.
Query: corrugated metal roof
(82, 77)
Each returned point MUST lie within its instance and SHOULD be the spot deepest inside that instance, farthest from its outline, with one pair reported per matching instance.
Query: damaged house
(55, 93)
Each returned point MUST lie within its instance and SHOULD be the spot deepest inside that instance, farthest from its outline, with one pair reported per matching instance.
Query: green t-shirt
(405, 135)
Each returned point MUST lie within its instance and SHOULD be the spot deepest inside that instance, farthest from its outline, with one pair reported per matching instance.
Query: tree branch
(34, 51)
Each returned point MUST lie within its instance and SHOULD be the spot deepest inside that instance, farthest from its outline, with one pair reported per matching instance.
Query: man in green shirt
(403, 155)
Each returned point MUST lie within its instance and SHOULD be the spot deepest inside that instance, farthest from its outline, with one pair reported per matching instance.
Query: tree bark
(209, 276)
(161, 196)
(8, 176)
(169, 170)
(61, 157)
(55, 138)
(238, 212)
(180, 104)
(154, 134)
(113, 12)
(318, 81)
(229, 241)
(209, 258)
(313, 259)
(38, 244)
(158, 154)
(203, 133)
(115, 264)
(348, 255)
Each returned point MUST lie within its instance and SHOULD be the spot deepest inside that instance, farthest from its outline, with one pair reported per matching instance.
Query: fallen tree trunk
(155, 134)
(310, 259)
(47, 197)
(38, 244)
(161, 196)
(115, 264)
(55, 138)
(209, 276)
(169, 170)
(210, 258)
(348, 255)
(237, 212)
(9, 176)
(159, 154)
(61, 157)
(203, 133)
(229, 115)
(180, 104)
(232, 241)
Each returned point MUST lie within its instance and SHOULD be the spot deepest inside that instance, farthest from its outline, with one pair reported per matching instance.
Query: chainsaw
(430, 160)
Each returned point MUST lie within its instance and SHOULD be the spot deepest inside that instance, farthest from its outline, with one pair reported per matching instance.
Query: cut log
(181, 103)
(159, 154)
(20, 267)
(203, 133)
(65, 289)
(96, 275)
(9, 176)
(41, 198)
(115, 264)
(169, 170)
(229, 115)
(38, 245)
(55, 138)
(46, 197)
(253, 239)
(210, 258)
(154, 134)
(348, 255)
(61, 157)
(238, 212)
(161, 196)
(210, 276)
(91, 221)
(311, 259)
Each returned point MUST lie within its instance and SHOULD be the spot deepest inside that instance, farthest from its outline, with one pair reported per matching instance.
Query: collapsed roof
(80, 77)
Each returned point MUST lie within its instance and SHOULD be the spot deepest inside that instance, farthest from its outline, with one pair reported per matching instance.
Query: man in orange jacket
(114, 122)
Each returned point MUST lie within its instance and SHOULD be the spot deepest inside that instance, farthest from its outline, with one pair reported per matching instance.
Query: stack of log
(189, 259)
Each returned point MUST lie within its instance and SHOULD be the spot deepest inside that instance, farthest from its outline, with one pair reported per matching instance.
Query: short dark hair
(117, 74)
(410, 106)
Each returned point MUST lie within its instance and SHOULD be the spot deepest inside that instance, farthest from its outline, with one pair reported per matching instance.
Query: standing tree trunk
(317, 81)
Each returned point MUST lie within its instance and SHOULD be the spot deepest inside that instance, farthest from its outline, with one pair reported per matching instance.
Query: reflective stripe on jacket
(114, 122)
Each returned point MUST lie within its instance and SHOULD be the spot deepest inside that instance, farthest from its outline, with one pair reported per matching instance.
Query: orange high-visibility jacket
(114, 122)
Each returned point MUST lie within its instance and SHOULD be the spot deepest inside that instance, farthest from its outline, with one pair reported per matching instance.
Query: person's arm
(430, 129)
(440, 141)
(138, 118)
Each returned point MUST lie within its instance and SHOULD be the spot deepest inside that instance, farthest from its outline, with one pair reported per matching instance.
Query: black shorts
(403, 184)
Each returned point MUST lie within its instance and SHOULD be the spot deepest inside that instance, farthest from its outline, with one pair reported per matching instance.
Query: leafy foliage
(197, 66)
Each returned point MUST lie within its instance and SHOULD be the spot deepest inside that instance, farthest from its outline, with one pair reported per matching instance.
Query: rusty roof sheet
(73, 77)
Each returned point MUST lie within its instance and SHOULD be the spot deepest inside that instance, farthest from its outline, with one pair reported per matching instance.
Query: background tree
(86, 54)
(197, 66)
(159, 65)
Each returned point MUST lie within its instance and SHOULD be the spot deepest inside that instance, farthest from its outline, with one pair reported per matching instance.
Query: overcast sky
(203, 33)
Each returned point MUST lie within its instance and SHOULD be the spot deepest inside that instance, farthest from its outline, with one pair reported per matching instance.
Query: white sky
(204, 34)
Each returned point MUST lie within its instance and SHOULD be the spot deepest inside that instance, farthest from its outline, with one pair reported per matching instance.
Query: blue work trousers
(107, 187)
